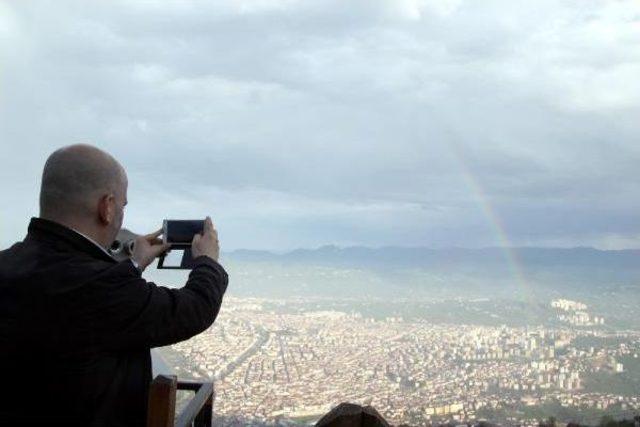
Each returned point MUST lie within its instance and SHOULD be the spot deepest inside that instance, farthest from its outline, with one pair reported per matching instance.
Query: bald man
(76, 326)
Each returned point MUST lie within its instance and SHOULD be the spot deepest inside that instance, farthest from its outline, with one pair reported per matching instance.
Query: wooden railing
(162, 403)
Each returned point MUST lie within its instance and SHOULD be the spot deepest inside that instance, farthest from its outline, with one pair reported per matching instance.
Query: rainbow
(494, 221)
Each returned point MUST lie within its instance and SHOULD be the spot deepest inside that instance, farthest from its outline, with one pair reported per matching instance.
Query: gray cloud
(301, 123)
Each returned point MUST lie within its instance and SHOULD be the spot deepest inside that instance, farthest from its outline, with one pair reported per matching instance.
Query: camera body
(176, 232)
(179, 234)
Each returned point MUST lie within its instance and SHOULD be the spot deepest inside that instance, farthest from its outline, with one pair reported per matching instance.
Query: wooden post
(162, 401)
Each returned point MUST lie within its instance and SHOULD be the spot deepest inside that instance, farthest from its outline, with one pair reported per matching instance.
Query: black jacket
(76, 327)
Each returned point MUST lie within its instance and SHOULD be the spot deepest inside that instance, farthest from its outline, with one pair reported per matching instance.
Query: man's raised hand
(147, 248)
(207, 242)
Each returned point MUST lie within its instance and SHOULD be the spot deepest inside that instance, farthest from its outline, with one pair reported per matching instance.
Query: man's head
(86, 189)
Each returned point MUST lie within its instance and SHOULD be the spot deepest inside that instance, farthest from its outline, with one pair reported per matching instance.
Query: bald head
(75, 178)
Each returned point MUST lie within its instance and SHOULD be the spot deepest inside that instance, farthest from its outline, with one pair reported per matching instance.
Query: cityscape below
(502, 359)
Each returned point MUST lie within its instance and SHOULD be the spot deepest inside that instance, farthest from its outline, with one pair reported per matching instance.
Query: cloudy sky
(298, 123)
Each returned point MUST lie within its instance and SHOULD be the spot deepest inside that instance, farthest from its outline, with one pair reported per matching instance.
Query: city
(273, 367)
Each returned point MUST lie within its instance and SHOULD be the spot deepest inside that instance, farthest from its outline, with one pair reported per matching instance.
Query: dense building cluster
(270, 365)
(575, 313)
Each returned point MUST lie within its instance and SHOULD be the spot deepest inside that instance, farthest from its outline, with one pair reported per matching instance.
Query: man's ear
(106, 208)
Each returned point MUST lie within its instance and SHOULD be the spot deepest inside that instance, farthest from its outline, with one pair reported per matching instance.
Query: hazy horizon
(436, 248)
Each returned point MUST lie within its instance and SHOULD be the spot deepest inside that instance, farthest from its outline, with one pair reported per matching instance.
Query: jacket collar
(40, 227)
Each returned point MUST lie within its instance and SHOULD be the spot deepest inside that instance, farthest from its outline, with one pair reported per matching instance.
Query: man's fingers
(159, 249)
(208, 225)
(156, 241)
(153, 235)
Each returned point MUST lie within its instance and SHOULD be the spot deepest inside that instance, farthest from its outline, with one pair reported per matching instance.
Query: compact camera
(176, 232)
(179, 234)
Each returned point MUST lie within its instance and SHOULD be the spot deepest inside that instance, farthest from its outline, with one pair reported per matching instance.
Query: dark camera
(176, 232)
(179, 234)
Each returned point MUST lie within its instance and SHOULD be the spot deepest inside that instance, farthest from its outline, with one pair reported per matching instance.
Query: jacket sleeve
(135, 313)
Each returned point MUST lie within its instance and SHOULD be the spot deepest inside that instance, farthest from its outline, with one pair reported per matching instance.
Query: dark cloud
(306, 122)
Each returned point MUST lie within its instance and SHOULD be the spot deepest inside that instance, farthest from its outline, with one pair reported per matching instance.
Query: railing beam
(162, 403)
(199, 409)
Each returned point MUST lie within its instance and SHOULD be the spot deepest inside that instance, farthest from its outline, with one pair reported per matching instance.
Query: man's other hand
(147, 248)
(207, 242)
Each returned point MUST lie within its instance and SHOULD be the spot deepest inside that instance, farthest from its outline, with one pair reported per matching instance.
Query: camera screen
(181, 231)
(173, 259)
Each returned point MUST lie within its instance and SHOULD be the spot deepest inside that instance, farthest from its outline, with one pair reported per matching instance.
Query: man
(76, 326)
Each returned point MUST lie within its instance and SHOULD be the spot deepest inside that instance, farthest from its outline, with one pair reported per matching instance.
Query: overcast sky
(299, 123)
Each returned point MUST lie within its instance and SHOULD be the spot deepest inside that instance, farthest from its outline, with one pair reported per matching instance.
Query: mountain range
(580, 265)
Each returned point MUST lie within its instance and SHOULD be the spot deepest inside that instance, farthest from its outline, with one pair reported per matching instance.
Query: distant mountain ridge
(424, 256)
(576, 265)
